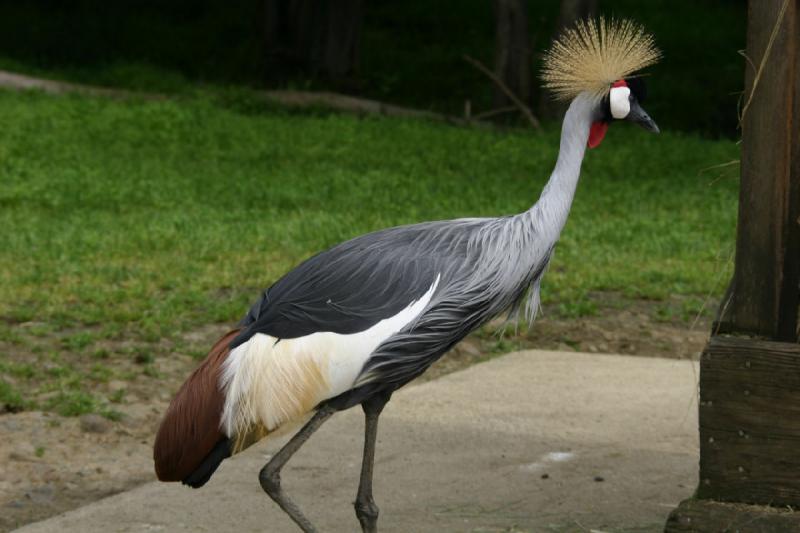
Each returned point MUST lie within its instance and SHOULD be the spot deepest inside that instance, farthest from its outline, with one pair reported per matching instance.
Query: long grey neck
(550, 213)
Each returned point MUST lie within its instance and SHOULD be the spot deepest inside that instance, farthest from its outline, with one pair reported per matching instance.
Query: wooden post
(750, 387)
(764, 294)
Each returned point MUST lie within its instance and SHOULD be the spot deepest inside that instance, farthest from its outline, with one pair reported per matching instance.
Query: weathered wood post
(750, 369)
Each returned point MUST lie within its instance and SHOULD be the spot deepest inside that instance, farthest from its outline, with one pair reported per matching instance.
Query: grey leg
(366, 510)
(270, 475)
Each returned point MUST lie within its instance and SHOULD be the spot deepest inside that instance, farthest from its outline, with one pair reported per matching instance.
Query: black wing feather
(349, 287)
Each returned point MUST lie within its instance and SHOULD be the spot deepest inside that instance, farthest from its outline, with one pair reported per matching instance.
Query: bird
(351, 325)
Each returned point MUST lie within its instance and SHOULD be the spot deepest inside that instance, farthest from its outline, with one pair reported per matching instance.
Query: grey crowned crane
(353, 324)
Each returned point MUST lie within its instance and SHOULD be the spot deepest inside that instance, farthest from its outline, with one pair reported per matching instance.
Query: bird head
(623, 102)
(598, 58)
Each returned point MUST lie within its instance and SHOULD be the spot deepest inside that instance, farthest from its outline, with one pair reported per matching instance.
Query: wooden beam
(699, 516)
(750, 422)
(765, 286)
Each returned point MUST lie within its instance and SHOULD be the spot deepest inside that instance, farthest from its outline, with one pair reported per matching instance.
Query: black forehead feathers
(637, 87)
(605, 109)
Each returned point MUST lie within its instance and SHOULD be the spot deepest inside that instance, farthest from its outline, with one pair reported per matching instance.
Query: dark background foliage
(410, 51)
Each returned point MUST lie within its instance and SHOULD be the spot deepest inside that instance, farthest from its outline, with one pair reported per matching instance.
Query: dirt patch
(51, 463)
(643, 328)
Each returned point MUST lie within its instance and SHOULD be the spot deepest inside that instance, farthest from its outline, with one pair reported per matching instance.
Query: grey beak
(639, 116)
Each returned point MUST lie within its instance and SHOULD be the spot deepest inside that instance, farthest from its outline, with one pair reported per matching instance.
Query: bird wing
(468, 298)
(454, 275)
(450, 318)
(354, 285)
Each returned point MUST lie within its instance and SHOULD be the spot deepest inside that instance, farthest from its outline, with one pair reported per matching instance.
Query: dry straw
(593, 54)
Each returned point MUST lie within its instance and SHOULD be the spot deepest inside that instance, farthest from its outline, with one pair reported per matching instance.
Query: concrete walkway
(532, 441)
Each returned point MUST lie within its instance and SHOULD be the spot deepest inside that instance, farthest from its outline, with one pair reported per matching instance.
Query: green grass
(72, 403)
(127, 223)
(150, 218)
(10, 398)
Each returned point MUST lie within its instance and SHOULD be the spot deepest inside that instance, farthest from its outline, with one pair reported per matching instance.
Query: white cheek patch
(620, 102)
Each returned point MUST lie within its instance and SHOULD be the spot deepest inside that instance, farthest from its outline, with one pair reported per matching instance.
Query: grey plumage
(481, 267)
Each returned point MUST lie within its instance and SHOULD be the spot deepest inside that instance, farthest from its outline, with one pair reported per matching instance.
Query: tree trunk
(316, 38)
(274, 49)
(341, 53)
(572, 10)
(512, 59)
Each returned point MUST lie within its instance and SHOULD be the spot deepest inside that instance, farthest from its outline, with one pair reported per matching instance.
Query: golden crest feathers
(593, 54)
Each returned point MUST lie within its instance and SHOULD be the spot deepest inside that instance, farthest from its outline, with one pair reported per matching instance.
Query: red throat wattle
(596, 133)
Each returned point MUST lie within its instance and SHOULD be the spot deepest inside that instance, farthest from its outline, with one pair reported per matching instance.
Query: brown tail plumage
(190, 430)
